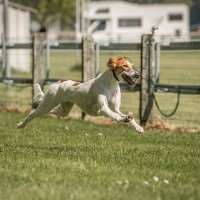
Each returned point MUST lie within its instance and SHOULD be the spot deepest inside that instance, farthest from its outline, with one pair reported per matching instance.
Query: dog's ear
(112, 62)
(121, 61)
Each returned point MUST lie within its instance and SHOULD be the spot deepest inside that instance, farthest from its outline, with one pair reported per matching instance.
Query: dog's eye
(126, 68)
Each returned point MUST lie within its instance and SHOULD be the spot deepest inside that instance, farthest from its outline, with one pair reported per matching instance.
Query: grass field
(71, 159)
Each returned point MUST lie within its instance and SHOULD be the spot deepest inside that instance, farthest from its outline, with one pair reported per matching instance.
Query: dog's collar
(115, 75)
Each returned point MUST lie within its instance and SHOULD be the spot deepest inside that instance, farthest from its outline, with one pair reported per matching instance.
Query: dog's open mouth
(130, 81)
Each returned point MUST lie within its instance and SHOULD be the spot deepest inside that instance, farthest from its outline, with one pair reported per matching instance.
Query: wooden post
(146, 98)
(88, 69)
(38, 60)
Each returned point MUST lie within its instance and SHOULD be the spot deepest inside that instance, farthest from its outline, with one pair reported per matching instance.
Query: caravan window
(129, 22)
(103, 10)
(101, 26)
(175, 17)
(96, 25)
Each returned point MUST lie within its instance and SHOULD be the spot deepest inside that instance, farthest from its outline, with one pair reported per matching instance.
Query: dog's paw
(139, 129)
(126, 119)
(130, 115)
(20, 125)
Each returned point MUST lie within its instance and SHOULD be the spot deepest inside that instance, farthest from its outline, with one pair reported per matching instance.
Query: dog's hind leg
(62, 109)
(41, 110)
(30, 116)
(34, 113)
(47, 104)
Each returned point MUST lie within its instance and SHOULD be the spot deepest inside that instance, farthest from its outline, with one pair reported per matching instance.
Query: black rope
(158, 107)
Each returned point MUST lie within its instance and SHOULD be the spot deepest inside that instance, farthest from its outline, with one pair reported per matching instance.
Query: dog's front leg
(129, 118)
(138, 128)
(117, 116)
(106, 111)
(133, 123)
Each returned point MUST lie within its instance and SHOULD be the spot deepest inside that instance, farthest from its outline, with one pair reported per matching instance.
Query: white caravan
(120, 21)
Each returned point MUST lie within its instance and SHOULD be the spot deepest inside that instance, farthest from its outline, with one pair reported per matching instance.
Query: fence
(171, 84)
(170, 76)
(64, 60)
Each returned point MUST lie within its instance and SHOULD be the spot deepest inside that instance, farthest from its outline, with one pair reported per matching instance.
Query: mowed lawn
(72, 159)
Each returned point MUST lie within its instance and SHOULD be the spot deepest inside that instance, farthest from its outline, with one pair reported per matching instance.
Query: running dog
(99, 96)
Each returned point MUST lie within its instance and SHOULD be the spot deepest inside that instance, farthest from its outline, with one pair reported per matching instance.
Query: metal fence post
(146, 99)
(5, 67)
(38, 60)
(157, 72)
(47, 58)
(97, 47)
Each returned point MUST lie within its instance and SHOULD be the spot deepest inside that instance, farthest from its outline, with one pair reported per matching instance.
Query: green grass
(180, 67)
(67, 159)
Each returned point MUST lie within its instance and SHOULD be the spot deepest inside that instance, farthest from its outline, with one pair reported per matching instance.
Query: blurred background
(69, 19)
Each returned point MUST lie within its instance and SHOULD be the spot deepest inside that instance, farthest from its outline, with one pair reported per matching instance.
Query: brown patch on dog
(61, 81)
(76, 83)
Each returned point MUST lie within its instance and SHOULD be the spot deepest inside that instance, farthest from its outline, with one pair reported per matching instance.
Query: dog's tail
(38, 95)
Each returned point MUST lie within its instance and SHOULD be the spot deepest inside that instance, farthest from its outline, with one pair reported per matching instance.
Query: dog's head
(123, 69)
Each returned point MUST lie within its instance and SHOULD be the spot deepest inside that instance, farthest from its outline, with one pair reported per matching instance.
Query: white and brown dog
(99, 96)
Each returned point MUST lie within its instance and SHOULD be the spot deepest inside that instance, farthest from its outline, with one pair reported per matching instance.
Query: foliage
(59, 159)
(52, 10)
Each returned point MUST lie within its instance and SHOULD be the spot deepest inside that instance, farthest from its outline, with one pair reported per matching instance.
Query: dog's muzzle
(132, 77)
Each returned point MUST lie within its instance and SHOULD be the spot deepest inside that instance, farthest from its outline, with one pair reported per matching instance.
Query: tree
(50, 11)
